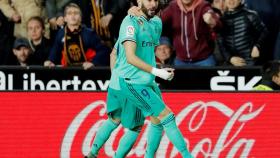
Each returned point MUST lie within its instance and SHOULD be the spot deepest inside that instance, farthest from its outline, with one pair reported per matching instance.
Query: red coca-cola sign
(53, 125)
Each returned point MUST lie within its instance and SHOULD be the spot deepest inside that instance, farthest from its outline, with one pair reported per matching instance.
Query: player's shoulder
(130, 19)
(156, 19)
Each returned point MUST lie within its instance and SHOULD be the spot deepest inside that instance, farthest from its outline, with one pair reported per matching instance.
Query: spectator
(40, 45)
(107, 16)
(242, 35)
(55, 12)
(269, 13)
(22, 51)
(118, 11)
(277, 47)
(20, 11)
(191, 23)
(6, 40)
(77, 45)
(163, 3)
(86, 9)
(97, 13)
(271, 77)
(54, 9)
(218, 6)
(163, 52)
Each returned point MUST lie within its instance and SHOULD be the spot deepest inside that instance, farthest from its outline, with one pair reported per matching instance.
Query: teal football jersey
(145, 33)
(114, 81)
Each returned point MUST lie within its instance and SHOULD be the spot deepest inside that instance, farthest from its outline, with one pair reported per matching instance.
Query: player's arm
(113, 58)
(130, 50)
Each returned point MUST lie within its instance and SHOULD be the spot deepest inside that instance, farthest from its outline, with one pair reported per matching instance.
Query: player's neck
(144, 15)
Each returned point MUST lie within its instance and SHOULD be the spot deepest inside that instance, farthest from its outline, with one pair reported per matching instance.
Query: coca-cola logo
(193, 118)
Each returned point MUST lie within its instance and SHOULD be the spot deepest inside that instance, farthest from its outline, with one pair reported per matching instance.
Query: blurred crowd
(195, 32)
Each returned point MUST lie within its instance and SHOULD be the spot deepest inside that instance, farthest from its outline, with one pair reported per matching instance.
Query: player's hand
(135, 11)
(171, 70)
(162, 73)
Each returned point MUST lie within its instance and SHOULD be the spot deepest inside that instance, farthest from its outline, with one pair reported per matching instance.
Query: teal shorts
(118, 106)
(145, 97)
(114, 102)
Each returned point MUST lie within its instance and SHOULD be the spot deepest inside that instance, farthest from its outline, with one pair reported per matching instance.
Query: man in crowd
(271, 77)
(76, 45)
(22, 51)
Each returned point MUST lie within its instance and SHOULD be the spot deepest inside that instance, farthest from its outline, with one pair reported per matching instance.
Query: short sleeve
(128, 30)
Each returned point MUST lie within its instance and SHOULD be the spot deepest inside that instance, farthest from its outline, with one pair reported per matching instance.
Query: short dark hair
(271, 69)
(39, 19)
